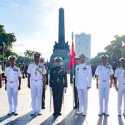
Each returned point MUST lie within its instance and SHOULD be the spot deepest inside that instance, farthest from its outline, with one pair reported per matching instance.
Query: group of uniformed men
(105, 79)
(37, 77)
(58, 84)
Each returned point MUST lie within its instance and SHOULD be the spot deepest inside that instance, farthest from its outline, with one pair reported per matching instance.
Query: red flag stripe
(72, 57)
(123, 44)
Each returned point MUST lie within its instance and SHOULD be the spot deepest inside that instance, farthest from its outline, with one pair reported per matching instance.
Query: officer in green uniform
(58, 84)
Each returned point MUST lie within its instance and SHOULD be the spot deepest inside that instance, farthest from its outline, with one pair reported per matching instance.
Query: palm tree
(29, 54)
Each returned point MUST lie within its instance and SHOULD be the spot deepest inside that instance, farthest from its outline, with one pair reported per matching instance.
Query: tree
(6, 41)
(30, 53)
(114, 50)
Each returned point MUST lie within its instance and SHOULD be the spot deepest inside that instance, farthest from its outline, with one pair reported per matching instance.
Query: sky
(35, 22)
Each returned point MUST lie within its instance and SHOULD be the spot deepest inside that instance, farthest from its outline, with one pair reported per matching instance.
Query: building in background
(83, 44)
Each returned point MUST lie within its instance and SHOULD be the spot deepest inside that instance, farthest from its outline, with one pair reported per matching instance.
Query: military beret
(12, 57)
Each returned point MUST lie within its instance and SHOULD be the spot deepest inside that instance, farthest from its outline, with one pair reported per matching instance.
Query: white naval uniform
(104, 73)
(120, 75)
(36, 84)
(12, 76)
(83, 77)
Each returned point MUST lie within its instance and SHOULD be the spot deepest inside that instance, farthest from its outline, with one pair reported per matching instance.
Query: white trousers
(83, 100)
(36, 95)
(12, 93)
(103, 99)
(121, 96)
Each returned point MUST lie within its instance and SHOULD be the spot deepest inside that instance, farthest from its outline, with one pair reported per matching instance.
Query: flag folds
(123, 44)
(72, 57)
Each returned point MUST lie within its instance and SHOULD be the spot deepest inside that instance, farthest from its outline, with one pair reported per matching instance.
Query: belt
(104, 80)
(11, 81)
(122, 83)
(36, 80)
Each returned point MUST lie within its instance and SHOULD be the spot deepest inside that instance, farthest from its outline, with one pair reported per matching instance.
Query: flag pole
(73, 73)
(72, 67)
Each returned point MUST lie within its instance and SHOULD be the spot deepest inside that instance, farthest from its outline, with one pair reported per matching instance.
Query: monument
(61, 48)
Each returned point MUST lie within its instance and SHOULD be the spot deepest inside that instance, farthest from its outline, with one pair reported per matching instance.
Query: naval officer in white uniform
(1, 76)
(104, 74)
(13, 82)
(83, 76)
(35, 82)
(120, 78)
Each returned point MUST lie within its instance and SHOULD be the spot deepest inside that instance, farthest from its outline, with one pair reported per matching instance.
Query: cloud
(35, 22)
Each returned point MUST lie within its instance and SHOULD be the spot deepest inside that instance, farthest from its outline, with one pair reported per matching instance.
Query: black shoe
(59, 114)
(75, 107)
(84, 115)
(106, 115)
(54, 114)
(9, 114)
(14, 113)
(39, 114)
(100, 115)
(32, 114)
(119, 115)
(43, 107)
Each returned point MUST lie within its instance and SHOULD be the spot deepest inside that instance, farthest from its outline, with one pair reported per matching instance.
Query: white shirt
(35, 71)
(104, 73)
(83, 76)
(120, 75)
(12, 74)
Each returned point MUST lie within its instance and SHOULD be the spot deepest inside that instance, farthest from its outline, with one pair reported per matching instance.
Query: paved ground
(68, 115)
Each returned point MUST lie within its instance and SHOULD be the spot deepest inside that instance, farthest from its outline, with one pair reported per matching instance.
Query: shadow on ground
(22, 120)
(72, 119)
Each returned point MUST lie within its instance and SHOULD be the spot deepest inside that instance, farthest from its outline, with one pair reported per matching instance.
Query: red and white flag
(123, 44)
(72, 56)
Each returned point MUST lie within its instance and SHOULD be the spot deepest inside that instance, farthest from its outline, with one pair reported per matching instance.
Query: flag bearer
(45, 81)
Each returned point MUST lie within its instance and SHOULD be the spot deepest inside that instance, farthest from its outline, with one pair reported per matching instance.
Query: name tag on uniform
(16, 70)
(84, 68)
(35, 80)
(11, 82)
(104, 80)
